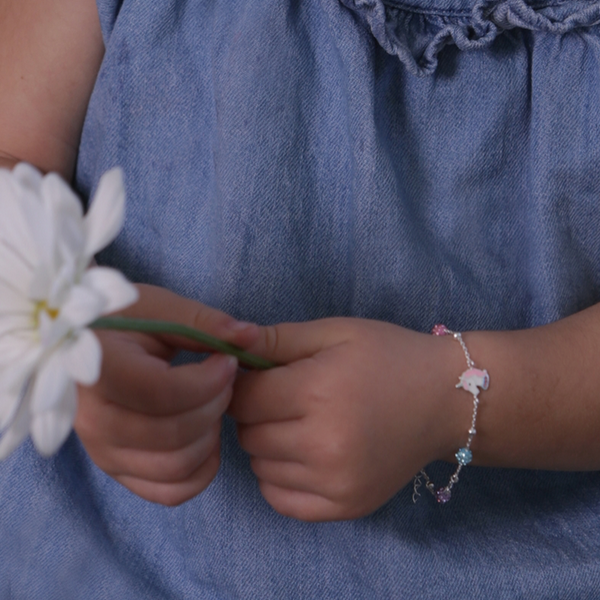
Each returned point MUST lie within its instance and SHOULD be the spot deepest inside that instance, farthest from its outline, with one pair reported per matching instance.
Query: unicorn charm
(472, 379)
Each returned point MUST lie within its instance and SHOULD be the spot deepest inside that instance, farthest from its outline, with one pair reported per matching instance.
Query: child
(390, 165)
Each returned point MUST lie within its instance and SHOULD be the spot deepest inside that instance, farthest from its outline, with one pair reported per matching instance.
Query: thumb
(161, 304)
(288, 342)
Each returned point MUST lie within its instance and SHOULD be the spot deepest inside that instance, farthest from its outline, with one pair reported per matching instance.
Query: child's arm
(153, 427)
(362, 406)
(50, 52)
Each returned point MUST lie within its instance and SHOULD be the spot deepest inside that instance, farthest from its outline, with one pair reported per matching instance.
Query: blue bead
(464, 456)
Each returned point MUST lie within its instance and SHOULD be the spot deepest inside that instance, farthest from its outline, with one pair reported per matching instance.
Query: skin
(152, 427)
(360, 406)
(49, 58)
(357, 407)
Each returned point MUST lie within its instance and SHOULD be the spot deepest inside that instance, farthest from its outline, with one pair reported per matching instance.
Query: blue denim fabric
(420, 162)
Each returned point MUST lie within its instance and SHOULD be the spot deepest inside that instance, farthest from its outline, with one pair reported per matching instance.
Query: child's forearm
(50, 53)
(542, 409)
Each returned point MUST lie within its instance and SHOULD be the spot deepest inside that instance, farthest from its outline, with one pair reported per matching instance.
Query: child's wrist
(453, 408)
(472, 380)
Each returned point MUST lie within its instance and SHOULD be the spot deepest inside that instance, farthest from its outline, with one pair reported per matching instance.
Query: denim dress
(415, 161)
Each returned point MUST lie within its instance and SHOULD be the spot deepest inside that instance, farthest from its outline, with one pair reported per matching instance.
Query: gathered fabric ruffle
(417, 32)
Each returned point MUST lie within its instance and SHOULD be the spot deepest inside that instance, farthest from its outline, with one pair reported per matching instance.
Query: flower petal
(51, 381)
(60, 198)
(14, 227)
(10, 323)
(14, 270)
(52, 331)
(28, 176)
(83, 305)
(17, 348)
(112, 285)
(40, 223)
(13, 379)
(107, 212)
(9, 403)
(15, 386)
(41, 282)
(64, 207)
(82, 359)
(13, 302)
(62, 283)
(17, 432)
(51, 428)
(71, 239)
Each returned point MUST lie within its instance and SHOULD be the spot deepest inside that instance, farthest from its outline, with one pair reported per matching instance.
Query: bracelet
(471, 380)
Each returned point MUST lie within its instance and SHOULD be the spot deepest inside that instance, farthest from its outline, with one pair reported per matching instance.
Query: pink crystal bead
(439, 329)
(443, 495)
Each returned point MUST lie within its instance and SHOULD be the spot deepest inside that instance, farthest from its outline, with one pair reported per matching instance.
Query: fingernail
(231, 365)
(239, 325)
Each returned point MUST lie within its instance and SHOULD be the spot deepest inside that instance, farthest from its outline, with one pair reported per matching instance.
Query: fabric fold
(417, 34)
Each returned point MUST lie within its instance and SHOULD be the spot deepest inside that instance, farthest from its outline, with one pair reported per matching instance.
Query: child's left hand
(357, 409)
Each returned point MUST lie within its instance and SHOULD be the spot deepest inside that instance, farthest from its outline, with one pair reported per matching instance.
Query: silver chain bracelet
(471, 380)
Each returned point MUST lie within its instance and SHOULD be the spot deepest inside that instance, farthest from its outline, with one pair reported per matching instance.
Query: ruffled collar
(416, 31)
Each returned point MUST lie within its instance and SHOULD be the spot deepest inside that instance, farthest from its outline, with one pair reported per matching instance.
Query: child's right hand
(153, 427)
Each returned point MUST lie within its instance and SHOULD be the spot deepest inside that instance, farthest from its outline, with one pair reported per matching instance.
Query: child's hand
(153, 427)
(358, 409)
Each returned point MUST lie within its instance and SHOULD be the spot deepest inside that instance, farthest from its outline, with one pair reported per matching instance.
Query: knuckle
(272, 340)
(316, 394)
(334, 450)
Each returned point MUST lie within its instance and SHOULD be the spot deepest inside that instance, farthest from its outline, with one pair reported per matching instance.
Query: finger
(147, 384)
(301, 505)
(281, 441)
(288, 342)
(284, 474)
(161, 304)
(282, 393)
(160, 467)
(101, 422)
(173, 494)
(271, 395)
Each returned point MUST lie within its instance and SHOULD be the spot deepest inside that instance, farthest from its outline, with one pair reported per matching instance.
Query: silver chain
(464, 454)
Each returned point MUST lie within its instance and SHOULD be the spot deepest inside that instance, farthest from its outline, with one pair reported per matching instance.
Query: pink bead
(439, 329)
(443, 495)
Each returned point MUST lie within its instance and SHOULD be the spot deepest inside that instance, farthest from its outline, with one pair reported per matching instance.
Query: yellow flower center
(42, 306)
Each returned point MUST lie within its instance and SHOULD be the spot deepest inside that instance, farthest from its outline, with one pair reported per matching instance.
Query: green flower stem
(166, 327)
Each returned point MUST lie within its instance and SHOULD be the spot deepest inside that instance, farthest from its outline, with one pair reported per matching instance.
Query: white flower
(47, 298)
